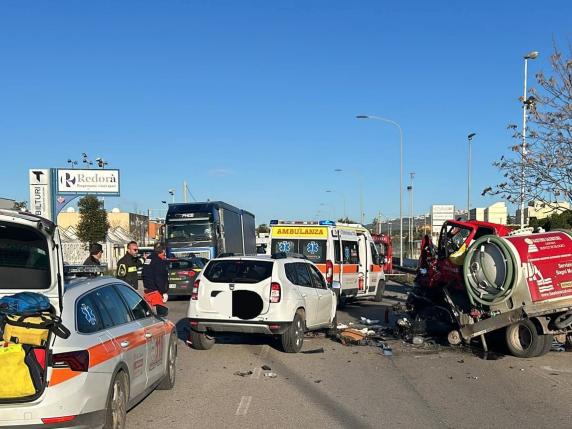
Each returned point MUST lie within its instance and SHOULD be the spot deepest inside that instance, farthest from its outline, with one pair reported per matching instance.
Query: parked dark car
(182, 274)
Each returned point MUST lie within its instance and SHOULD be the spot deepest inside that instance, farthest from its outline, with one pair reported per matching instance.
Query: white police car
(118, 350)
(282, 295)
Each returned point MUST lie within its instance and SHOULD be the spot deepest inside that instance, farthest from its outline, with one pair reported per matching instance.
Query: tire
(333, 329)
(547, 345)
(379, 292)
(116, 414)
(523, 340)
(200, 340)
(293, 338)
(168, 381)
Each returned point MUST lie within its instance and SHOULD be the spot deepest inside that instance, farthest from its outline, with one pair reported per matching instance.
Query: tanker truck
(517, 283)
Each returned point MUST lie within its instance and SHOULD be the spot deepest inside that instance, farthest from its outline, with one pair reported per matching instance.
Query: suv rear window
(24, 258)
(238, 271)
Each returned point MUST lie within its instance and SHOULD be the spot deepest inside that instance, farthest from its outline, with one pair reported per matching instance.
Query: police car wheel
(116, 415)
(168, 381)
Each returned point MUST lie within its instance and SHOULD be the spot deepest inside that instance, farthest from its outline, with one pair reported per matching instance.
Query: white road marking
(243, 405)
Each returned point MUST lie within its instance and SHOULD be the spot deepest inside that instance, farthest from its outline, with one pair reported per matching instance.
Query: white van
(344, 253)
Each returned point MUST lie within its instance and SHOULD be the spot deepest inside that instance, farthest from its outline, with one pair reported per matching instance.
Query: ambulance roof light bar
(300, 222)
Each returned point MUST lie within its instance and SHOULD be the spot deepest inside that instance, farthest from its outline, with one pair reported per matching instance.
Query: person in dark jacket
(155, 273)
(95, 254)
(128, 265)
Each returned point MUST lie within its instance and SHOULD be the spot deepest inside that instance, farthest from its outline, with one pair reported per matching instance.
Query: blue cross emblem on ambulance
(312, 247)
(284, 246)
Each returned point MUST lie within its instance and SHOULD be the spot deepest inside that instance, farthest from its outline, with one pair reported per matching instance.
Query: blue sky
(253, 102)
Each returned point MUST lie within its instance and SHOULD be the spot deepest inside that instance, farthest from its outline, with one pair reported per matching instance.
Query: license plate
(172, 285)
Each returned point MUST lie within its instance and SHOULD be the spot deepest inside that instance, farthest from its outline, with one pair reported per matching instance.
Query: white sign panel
(439, 214)
(40, 192)
(88, 181)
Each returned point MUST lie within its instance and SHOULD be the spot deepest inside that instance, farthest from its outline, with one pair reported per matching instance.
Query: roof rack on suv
(283, 255)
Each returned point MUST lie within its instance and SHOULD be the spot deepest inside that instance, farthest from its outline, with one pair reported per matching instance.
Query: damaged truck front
(482, 277)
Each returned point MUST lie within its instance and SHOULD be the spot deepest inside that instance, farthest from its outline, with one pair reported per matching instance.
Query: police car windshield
(189, 231)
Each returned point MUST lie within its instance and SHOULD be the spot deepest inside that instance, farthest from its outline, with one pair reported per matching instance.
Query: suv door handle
(148, 334)
(124, 344)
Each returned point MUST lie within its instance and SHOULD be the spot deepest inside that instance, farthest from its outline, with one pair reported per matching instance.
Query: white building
(496, 213)
(542, 210)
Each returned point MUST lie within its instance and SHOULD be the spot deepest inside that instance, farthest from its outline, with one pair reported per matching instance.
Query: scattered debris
(266, 368)
(313, 351)
(417, 340)
(351, 336)
(270, 374)
(243, 374)
(557, 347)
(473, 377)
(317, 381)
(386, 350)
(342, 326)
(367, 321)
(461, 361)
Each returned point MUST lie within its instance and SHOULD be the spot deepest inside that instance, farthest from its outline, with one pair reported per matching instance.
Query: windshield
(190, 231)
(24, 258)
(186, 264)
(452, 239)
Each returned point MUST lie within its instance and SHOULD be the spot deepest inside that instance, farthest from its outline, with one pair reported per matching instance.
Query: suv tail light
(275, 292)
(329, 272)
(195, 293)
(76, 361)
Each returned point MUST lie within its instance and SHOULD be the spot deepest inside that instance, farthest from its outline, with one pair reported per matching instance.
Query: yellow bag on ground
(32, 330)
(16, 381)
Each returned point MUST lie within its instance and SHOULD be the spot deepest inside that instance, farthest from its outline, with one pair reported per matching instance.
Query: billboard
(439, 214)
(40, 192)
(79, 182)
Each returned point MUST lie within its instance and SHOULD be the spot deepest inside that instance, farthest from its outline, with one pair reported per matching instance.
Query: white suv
(279, 295)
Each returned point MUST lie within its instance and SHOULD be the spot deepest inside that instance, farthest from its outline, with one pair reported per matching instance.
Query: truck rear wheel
(523, 340)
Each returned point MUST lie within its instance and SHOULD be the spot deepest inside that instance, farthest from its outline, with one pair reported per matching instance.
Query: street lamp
(72, 163)
(172, 193)
(530, 56)
(359, 177)
(411, 222)
(469, 138)
(379, 118)
(101, 163)
(343, 197)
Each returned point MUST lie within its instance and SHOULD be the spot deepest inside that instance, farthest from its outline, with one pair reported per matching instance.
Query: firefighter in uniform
(127, 266)
(156, 277)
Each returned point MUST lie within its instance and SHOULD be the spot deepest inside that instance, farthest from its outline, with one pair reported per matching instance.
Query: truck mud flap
(491, 324)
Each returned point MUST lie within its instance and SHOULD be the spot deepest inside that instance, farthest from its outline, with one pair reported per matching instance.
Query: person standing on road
(156, 277)
(95, 254)
(128, 265)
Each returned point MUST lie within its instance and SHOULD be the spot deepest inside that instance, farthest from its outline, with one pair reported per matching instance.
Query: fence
(75, 253)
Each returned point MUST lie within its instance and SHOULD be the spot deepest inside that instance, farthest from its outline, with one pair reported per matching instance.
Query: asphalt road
(423, 386)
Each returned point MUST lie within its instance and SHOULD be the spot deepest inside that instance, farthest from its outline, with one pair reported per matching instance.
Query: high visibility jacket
(127, 269)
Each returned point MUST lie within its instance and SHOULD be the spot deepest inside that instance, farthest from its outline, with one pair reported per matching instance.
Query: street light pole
(343, 198)
(172, 193)
(530, 56)
(411, 221)
(469, 138)
(360, 179)
(379, 118)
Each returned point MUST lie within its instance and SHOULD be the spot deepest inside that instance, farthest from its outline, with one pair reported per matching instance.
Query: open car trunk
(30, 263)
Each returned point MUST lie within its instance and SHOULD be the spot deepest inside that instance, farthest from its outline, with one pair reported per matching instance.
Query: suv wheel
(169, 380)
(293, 337)
(200, 340)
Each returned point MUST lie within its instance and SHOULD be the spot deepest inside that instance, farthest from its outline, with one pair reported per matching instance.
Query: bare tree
(548, 157)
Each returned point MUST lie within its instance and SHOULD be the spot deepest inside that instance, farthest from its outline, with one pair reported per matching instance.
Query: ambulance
(345, 253)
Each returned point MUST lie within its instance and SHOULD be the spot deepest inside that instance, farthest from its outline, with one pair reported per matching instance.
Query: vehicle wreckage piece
(484, 279)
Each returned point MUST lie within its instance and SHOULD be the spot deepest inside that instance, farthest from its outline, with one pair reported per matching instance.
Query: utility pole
(411, 226)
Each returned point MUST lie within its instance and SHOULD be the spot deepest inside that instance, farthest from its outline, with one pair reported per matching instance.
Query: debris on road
(309, 352)
(243, 374)
(270, 375)
(367, 321)
(351, 336)
(266, 368)
(317, 381)
(342, 326)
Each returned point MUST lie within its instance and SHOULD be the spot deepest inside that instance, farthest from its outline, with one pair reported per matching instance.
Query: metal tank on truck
(524, 283)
